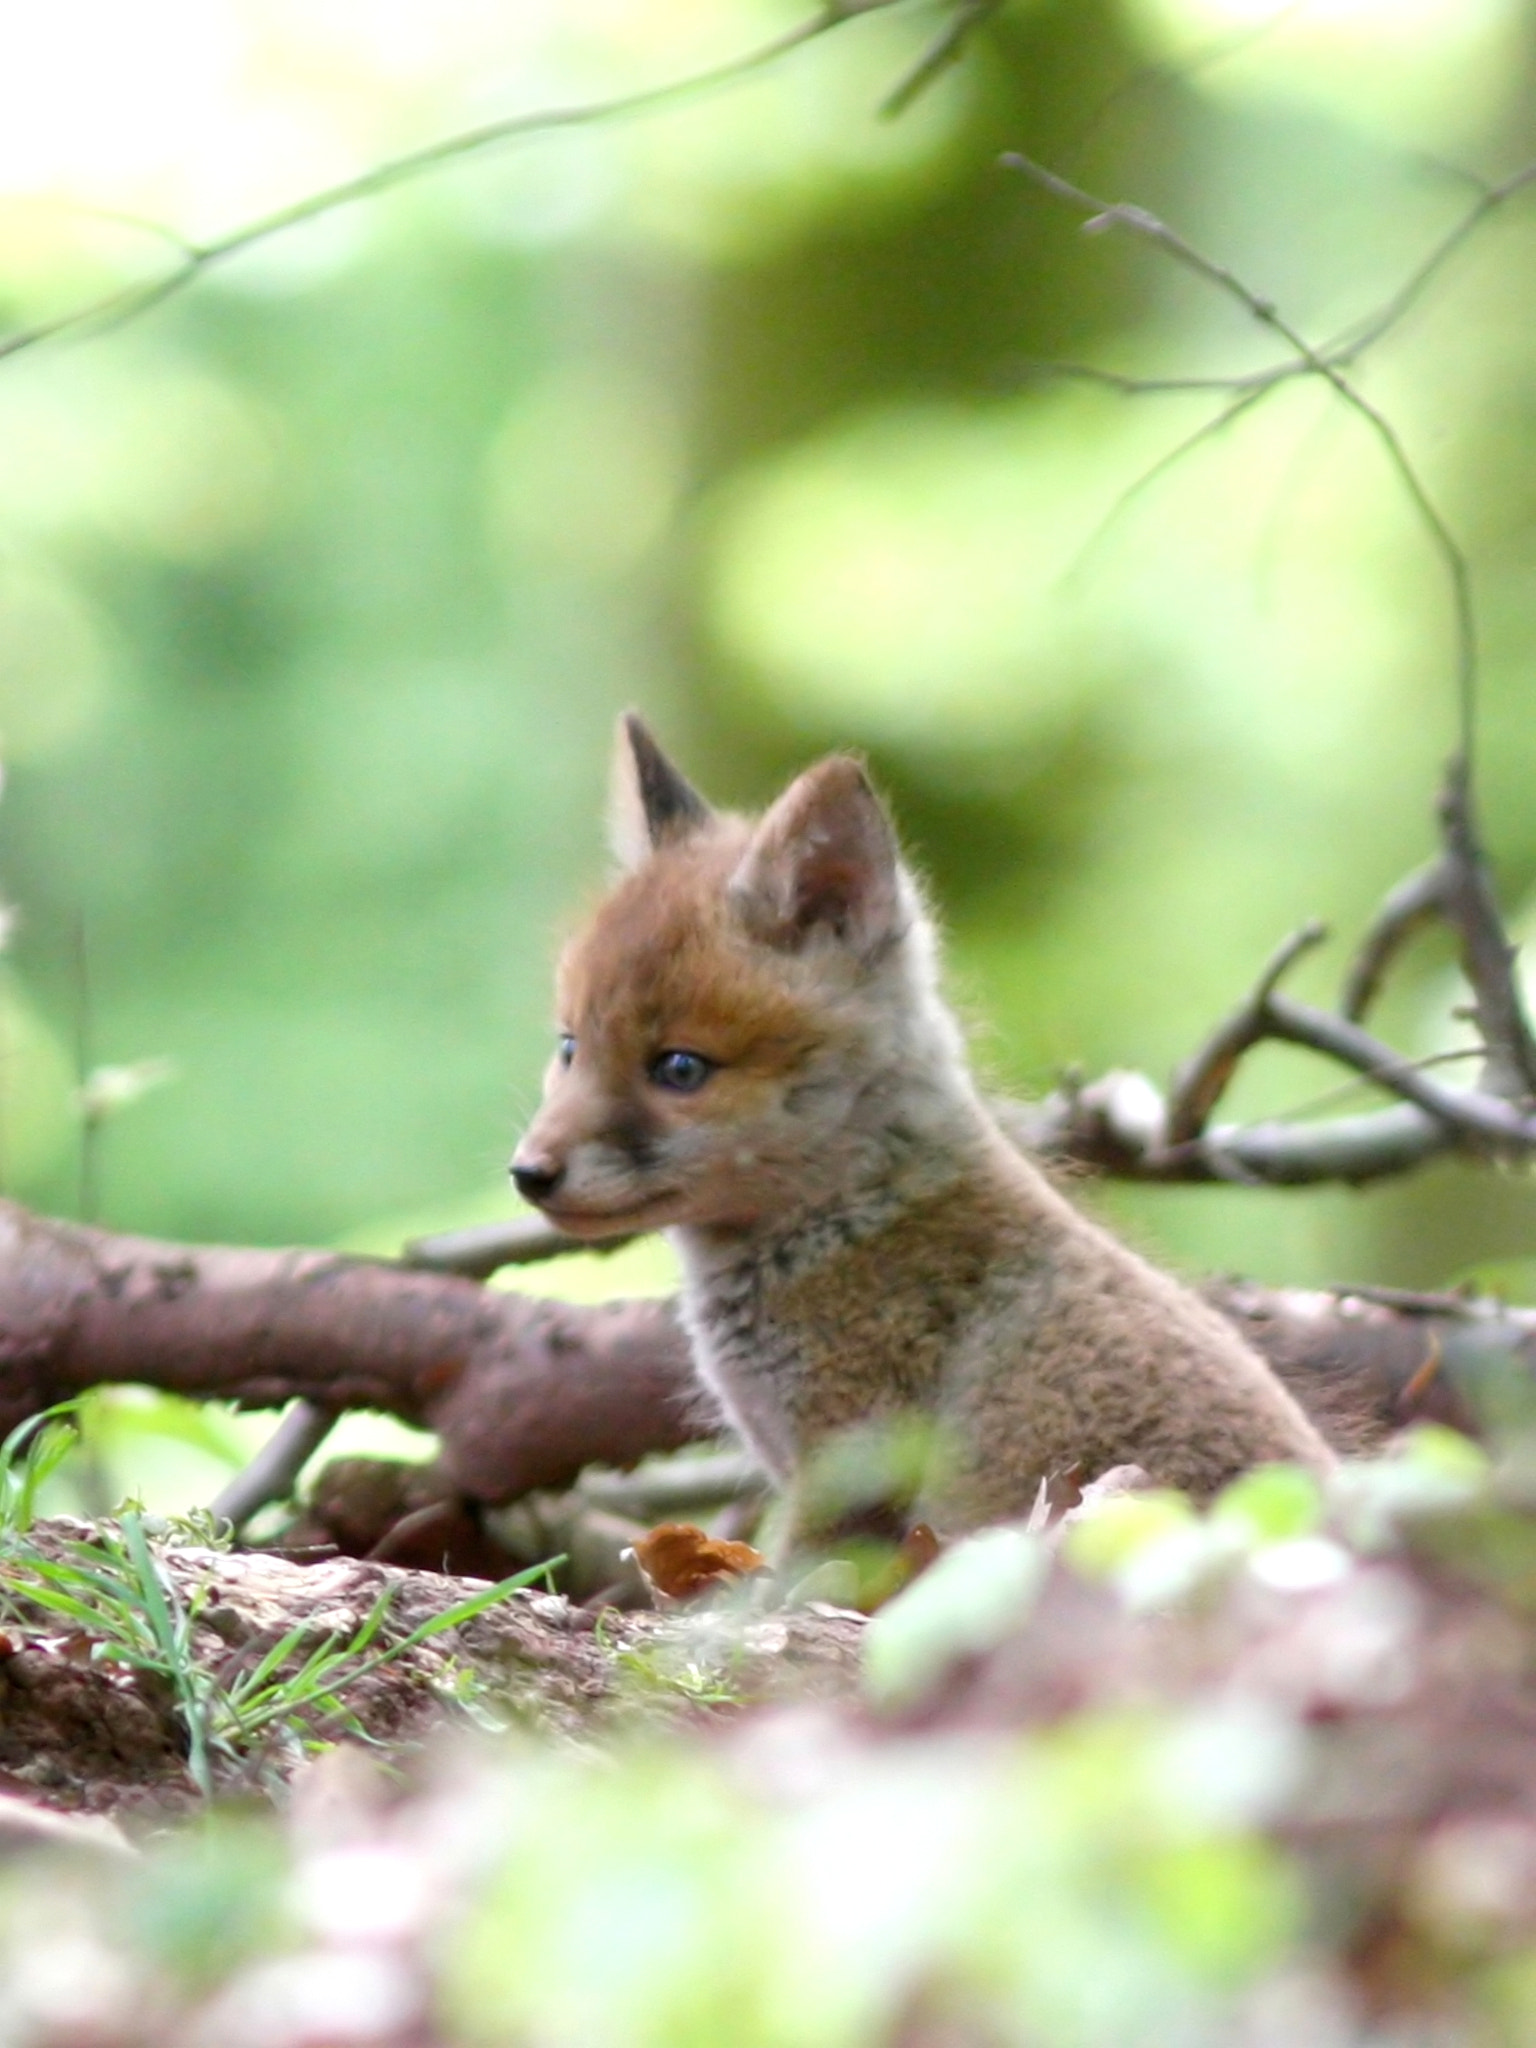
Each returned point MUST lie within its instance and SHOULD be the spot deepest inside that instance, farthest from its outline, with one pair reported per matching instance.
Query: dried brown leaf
(680, 1561)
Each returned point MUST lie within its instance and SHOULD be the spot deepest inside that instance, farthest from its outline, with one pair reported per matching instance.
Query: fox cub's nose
(535, 1179)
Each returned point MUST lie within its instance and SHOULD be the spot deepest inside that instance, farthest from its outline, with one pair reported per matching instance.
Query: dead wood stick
(1114, 1125)
(1121, 1124)
(1480, 1119)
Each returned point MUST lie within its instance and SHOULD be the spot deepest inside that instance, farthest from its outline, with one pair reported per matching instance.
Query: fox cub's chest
(852, 1316)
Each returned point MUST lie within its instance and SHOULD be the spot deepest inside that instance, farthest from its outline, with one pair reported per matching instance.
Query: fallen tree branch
(523, 1393)
(1111, 1126)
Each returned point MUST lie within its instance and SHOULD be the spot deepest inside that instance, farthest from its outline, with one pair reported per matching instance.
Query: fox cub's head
(738, 1019)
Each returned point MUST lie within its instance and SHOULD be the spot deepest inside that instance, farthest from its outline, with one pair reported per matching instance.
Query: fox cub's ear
(649, 802)
(823, 859)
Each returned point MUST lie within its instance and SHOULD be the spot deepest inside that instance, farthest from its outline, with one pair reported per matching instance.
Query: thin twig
(1169, 460)
(1404, 912)
(1487, 957)
(1456, 888)
(485, 1248)
(1203, 1081)
(1329, 1098)
(198, 257)
(1178, 71)
(947, 48)
(1352, 344)
(1104, 215)
(1084, 1130)
(1480, 1119)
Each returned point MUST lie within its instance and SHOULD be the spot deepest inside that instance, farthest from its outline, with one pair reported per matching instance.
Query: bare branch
(1258, 381)
(1414, 903)
(1456, 888)
(1352, 344)
(198, 257)
(1487, 957)
(1203, 1081)
(947, 48)
(1208, 430)
(525, 1394)
(1352, 1149)
(1179, 71)
(1115, 1126)
(1481, 1120)
(522, 1392)
(1104, 215)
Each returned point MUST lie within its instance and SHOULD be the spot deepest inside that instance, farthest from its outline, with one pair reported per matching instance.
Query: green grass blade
(53, 1601)
(168, 1623)
(150, 1587)
(31, 1453)
(375, 1621)
(251, 1683)
(252, 1698)
(476, 1604)
(117, 1590)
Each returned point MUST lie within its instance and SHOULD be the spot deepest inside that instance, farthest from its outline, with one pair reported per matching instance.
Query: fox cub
(754, 1053)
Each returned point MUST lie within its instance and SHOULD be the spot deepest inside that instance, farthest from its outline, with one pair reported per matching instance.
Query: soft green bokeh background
(320, 585)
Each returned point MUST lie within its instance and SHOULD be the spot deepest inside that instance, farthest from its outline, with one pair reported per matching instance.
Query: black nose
(534, 1182)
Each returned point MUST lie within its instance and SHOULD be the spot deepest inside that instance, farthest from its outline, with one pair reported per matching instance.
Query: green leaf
(1117, 1531)
(967, 1601)
(1274, 1504)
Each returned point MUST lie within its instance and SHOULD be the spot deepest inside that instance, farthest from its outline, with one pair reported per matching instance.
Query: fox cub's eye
(683, 1072)
(565, 1048)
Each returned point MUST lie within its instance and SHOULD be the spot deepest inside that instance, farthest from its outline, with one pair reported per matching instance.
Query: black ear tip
(669, 802)
(634, 729)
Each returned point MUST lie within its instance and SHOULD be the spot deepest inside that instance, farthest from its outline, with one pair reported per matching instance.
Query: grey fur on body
(958, 1284)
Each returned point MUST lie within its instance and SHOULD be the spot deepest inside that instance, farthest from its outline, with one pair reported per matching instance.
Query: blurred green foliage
(1283, 1800)
(320, 584)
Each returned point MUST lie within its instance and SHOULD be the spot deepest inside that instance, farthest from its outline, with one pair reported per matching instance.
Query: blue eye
(565, 1048)
(683, 1072)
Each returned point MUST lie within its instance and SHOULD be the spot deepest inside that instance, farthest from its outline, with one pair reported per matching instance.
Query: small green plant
(31, 1454)
(115, 1591)
(651, 1672)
